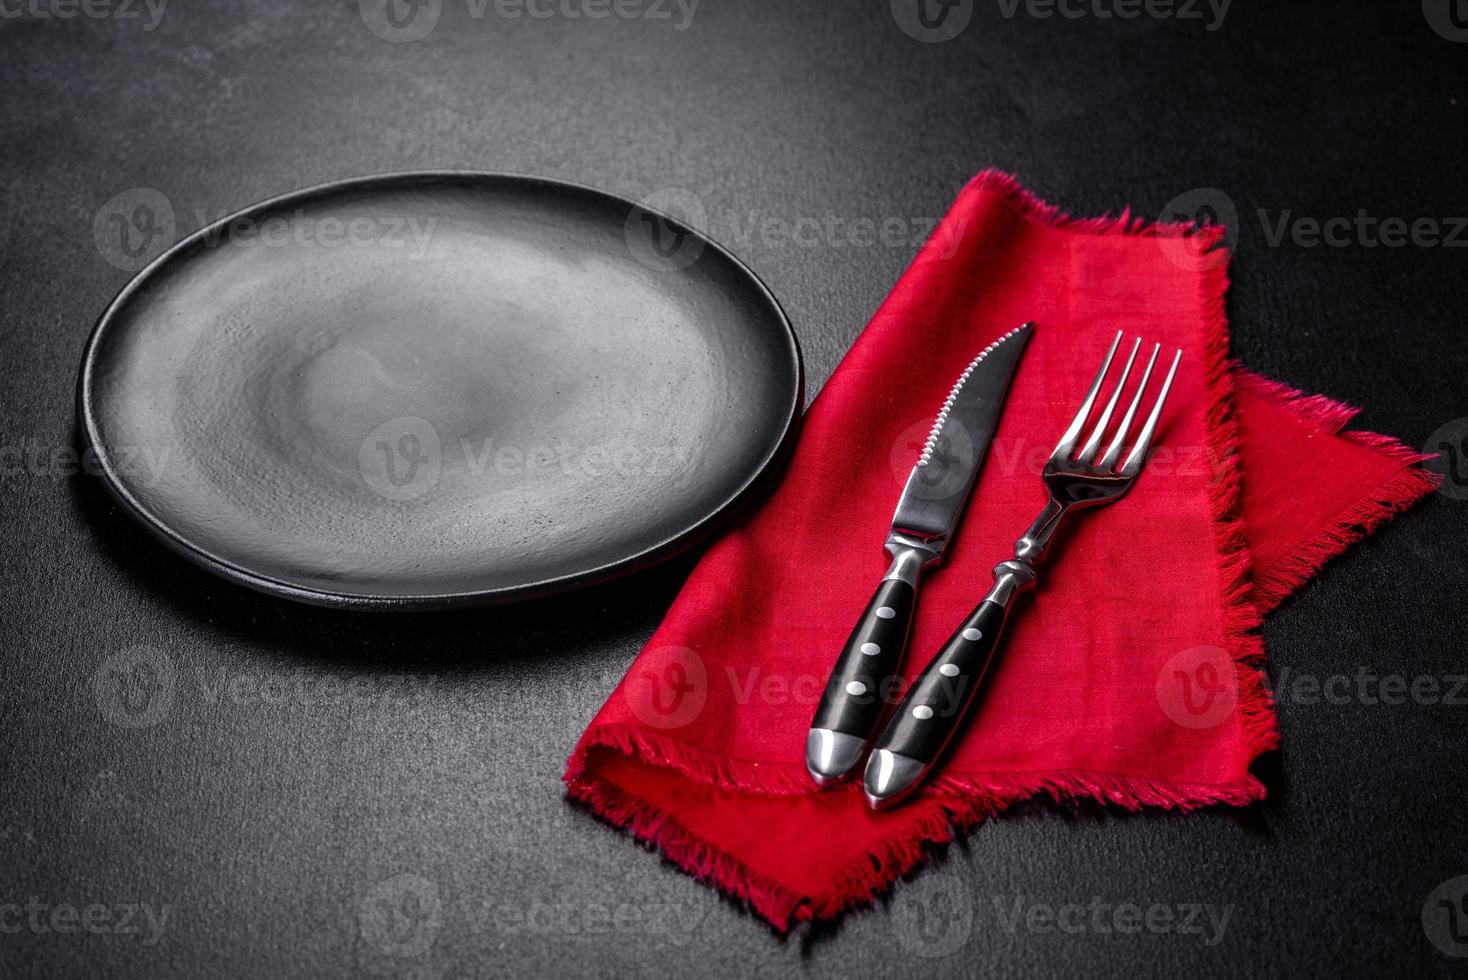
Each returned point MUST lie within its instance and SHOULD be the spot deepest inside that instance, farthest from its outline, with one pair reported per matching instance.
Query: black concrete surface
(306, 793)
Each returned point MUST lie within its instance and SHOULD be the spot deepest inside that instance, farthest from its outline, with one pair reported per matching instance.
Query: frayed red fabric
(1133, 676)
(1290, 537)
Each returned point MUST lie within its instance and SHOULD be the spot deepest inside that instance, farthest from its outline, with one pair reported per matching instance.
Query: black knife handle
(866, 673)
(864, 681)
(935, 705)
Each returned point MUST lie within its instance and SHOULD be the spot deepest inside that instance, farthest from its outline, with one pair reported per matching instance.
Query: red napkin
(1132, 675)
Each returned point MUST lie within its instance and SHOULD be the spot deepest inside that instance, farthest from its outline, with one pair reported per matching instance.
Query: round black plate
(438, 389)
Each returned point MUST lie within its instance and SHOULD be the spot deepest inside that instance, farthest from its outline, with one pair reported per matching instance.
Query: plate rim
(664, 549)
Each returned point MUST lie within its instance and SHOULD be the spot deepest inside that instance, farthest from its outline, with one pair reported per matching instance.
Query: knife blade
(927, 514)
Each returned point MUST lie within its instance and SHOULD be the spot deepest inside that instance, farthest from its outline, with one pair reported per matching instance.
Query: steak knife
(928, 511)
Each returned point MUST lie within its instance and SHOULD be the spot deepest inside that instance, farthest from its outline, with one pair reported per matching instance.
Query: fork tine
(1089, 449)
(1113, 451)
(1133, 462)
(1068, 441)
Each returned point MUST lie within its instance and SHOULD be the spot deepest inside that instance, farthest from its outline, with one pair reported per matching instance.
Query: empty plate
(438, 389)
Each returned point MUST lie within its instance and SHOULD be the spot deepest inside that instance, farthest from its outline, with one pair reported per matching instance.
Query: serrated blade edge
(944, 475)
(927, 453)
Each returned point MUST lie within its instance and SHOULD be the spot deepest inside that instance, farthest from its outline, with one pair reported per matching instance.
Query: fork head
(1076, 477)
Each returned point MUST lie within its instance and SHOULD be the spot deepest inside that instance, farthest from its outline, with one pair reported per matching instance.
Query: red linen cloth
(1132, 675)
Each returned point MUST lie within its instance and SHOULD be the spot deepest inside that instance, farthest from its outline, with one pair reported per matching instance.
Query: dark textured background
(268, 829)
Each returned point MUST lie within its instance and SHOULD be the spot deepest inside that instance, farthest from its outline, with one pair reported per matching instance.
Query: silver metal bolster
(1010, 578)
(1018, 573)
(909, 556)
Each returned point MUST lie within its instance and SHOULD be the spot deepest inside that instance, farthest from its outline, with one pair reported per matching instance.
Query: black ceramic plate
(438, 389)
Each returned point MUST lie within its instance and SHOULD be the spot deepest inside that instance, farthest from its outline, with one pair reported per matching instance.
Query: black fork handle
(939, 700)
(936, 705)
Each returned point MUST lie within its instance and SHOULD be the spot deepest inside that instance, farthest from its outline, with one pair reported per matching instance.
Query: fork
(934, 708)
